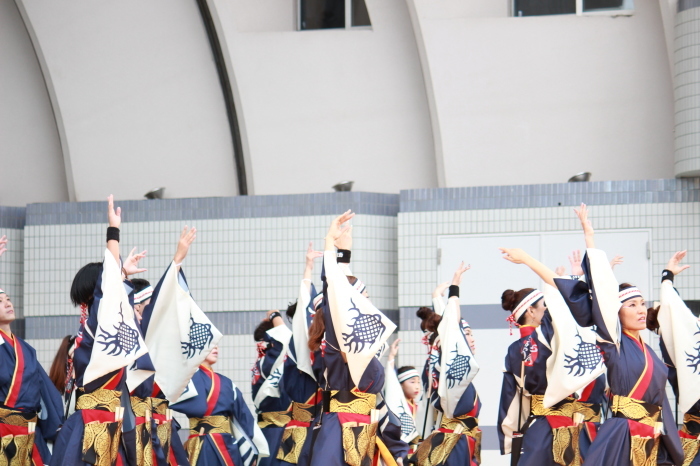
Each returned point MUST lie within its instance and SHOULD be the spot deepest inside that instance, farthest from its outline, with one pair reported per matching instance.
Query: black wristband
(113, 234)
(275, 314)
(454, 291)
(667, 275)
(343, 256)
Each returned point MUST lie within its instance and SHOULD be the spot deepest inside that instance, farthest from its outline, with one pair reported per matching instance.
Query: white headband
(2, 291)
(143, 295)
(464, 324)
(409, 374)
(629, 293)
(528, 301)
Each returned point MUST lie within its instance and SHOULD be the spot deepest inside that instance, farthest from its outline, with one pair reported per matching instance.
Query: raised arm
(187, 237)
(338, 227)
(311, 255)
(588, 233)
(518, 256)
(115, 221)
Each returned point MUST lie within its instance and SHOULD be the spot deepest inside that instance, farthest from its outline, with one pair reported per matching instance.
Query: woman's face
(536, 312)
(633, 314)
(411, 388)
(470, 339)
(213, 356)
(7, 309)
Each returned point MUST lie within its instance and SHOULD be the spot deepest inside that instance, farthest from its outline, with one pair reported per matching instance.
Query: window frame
(348, 19)
(580, 12)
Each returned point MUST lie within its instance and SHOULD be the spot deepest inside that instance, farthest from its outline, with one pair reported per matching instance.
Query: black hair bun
(508, 300)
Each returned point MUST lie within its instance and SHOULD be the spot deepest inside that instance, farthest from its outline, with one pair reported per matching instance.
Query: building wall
(31, 150)
(136, 97)
(538, 99)
(432, 94)
(319, 107)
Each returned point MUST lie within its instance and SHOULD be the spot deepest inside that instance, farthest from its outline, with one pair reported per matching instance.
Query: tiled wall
(249, 254)
(12, 261)
(248, 257)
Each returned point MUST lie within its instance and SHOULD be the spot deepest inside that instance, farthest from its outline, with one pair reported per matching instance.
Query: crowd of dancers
(579, 386)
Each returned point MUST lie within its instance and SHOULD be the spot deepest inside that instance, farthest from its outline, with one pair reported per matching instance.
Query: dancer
(642, 429)
(157, 440)
(354, 331)
(457, 441)
(402, 389)
(679, 330)
(107, 343)
(272, 406)
(298, 379)
(217, 405)
(31, 411)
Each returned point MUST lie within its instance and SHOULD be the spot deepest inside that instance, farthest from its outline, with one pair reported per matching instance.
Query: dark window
(602, 4)
(544, 7)
(329, 14)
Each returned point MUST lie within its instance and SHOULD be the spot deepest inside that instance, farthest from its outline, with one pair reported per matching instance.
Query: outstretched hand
(457, 277)
(345, 239)
(114, 216)
(311, 255)
(187, 237)
(582, 214)
(617, 260)
(339, 225)
(575, 262)
(131, 264)
(3, 244)
(394, 349)
(515, 255)
(674, 263)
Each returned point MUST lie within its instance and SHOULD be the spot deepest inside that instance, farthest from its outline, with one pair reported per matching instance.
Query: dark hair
(511, 298)
(58, 370)
(429, 321)
(140, 284)
(261, 329)
(291, 310)
(653, 319)
(316, 330)
(84, 282)
(624, 286)
(403, 369)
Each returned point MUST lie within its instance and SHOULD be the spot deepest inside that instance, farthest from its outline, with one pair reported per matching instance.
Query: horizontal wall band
(551, 195)
(293, 205)
(12, 217)
(687, 4)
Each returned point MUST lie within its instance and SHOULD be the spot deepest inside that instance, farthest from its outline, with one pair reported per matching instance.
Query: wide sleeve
(600, 306)
(51, 417)
(242, 414)
(390, 433)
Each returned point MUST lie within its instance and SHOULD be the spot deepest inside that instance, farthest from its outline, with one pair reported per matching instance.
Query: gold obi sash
(274, 418)
(436, 448)
(16, 437)
(144, 443)
(355, 410)
(644, 439)
(295, 432)
(343, 401)
(690, 438)
(201, 427)
(565, 419)
(162, 418)
(635, 410)
(102, 415)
